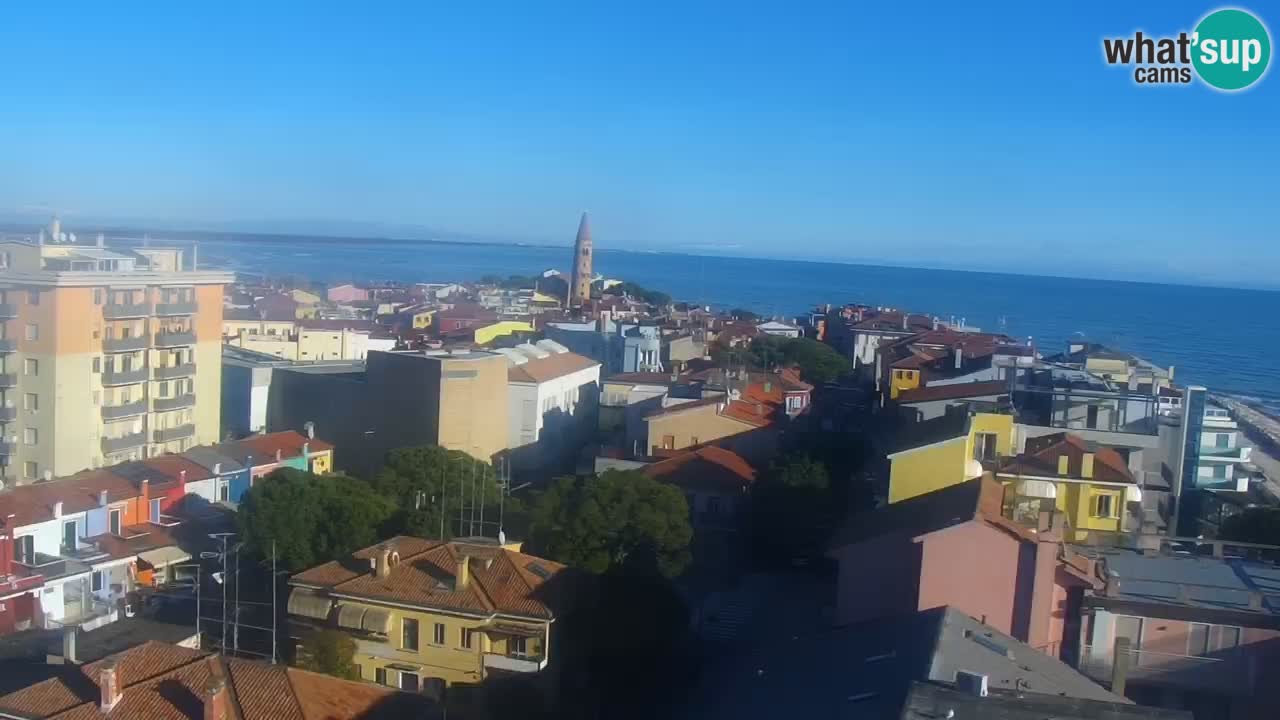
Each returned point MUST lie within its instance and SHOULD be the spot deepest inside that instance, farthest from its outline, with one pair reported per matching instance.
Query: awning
(308, 604)
(165, 556)
(377, 620)
(517, 630)
(1036, 489)
(351, 616)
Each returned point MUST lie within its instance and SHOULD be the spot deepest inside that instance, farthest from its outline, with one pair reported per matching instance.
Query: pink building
(346, 293)
(954, 548)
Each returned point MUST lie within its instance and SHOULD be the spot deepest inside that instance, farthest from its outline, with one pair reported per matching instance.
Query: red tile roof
(503, 581)
(34, 503)
(159, 681)
(289, 443)
(706, 468)
(1042, 453)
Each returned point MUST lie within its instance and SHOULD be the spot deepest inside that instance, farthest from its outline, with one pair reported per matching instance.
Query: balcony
(129, 344)
(173, 403)
(113, 445)
(8, 346)
(175, 308)
(514, 663)
(124, 377)
(175, 339)
(8, 413)
(123, 411)
(174, 433)
(176, 371)
(8, 380)
(7, 311)
(124, 312)
(8, 448)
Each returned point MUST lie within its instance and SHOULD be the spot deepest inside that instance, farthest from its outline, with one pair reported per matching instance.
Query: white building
(552, 399)
(779, 329)
(1220, 453)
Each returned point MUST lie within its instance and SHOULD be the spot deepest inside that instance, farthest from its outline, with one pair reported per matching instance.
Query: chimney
(382, 568)
(182, 478)
(102, 498)
(463, 577)
(215, 699)
(1086, 466)
(1112, 588)
(309, 429)
(109, 685)
(306, 449)
(904, 321)
(278, 455)
(1120, 665)
(959, 356)
(69, 644)
(57, 508)
(144, 493)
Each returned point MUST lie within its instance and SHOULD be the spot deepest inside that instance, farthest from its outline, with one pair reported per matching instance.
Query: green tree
(1254, 525)
(791, 510)
(618, 518)
(818, 362)
(427, 482)
(310, 518)
(330, 652)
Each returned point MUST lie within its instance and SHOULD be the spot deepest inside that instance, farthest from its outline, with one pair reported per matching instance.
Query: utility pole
(223, 537)
(274, 583)
(235, 632)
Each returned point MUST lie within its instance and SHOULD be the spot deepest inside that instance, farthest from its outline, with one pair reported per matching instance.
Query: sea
(1227, 339)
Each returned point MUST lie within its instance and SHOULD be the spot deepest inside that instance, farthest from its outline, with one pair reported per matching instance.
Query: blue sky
(932, 134)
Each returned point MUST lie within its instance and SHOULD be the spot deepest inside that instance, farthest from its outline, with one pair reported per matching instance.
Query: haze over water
(1225, 339)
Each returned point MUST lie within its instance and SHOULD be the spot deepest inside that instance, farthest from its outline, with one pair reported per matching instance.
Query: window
(224, 492)
(1130, 627)
(409, 681)
(26, 550)
(1224, 440)
(693, 440)
(984, 446)
(1091, 417)
(519, 646)
(96, 583)
(155, 509)
(97, 365)
(1220, 471)
(668, 442)
(1104, 506)
(438, 634)
(30, 470)
(33, 331)
(30, 401)
(465, 638)
(380, 676)
(1206, 640)
(30, 436)
(31, 367)
(409, 634)
(69, 535)
(163, 390)
(97, 296)
(33, 297)
(113, 523)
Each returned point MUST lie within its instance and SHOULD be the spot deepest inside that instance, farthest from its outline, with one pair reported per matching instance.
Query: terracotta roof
(551, 367)
(953, 391)
(160, 681)
(919, 359)
(751, 413)
(707, 468)
(427, 571)
(263, 447)
(135, 539)
(1042, 453)
(34, 503)
(174, 466)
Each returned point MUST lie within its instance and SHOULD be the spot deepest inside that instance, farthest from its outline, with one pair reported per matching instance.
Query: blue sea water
(1226, 339)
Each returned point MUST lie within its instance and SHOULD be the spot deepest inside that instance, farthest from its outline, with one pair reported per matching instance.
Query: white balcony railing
(514, 663)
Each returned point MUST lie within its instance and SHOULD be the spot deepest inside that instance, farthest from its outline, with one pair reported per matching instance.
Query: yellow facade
(303, 297)
(450, 659)
(321, 462)
(900, 380)
(424, 319)
(267, 328)
(489, 333)
(932, 467)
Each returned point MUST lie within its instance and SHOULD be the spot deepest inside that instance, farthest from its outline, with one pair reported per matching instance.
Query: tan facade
(473, 405)
(104, 362)
(269, 328)
(306, 345)
(678, 430)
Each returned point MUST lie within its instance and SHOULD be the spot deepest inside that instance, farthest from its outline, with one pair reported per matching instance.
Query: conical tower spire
(580, 288)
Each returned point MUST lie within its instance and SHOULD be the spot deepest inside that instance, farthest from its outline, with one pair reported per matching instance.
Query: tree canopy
(331, 652)
(818, 362)
(652, 297)
(424, 482)
(618, 518)
(1254, 525)
(310, 518)
(791, 510)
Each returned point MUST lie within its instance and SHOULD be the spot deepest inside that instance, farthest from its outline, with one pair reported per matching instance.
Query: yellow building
(235, 324)
(902, 379)
(302, 297)
(1091, 485)
(307, 344)
(489, 333)
(108, 356)
(428, 612)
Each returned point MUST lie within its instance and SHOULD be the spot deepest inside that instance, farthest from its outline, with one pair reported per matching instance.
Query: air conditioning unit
(971, 683)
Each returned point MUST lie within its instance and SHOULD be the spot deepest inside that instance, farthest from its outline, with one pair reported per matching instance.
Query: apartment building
(429, 613)
(552, 401)
(107, 356)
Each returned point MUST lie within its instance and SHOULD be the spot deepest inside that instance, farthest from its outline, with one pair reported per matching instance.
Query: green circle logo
(1231, 49)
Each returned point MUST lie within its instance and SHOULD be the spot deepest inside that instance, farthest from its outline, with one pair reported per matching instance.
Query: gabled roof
(209, 457)
(1042, 453)
(160, 681)
(263, 448)
(502, 581)
(707, 468)
(34, 503)
(556, 365)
